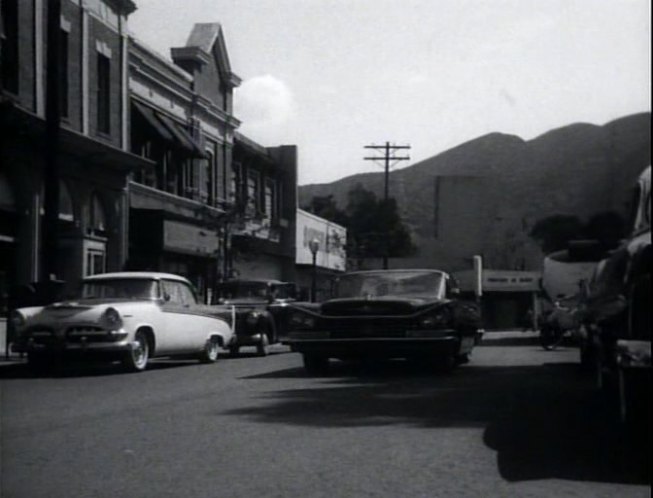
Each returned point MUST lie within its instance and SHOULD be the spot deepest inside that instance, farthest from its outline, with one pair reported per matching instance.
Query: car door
(181, 326)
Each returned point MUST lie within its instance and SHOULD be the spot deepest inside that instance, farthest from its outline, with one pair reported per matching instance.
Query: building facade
(150, 171)
(90, 153)
(264, 192)
(216, 204)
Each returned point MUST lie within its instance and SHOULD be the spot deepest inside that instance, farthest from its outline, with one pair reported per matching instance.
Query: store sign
(189, 239)
(511, 281)
(331, 240)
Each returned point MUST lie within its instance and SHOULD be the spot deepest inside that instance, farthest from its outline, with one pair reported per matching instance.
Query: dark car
(618, 315)
(260, 307)
(414, 314)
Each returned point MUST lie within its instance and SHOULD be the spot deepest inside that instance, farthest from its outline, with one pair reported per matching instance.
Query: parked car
(260, 307)
(130, 316)
(618, 314)
(414, 314)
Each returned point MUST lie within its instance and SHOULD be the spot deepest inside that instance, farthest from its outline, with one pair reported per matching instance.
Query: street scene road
(515, 421)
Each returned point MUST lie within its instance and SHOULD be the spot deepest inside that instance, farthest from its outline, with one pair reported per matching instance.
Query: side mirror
(166, 297)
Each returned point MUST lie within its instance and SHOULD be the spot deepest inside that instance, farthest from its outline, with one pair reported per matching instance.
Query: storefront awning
(148, 115)
(182, 137)
(170, 131)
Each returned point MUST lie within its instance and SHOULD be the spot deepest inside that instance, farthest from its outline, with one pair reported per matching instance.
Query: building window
(98, 221)
(66, 211)
(63, 73)
(209, 178)
(271, 199)
(235, 188)
(253, 193)
(9, 45)
(189, 184)
(103, 93)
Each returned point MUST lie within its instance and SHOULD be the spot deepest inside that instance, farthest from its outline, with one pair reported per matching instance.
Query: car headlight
(17, 319)
(111, 319)
(299, 320)
(252, 318)
(433, 319)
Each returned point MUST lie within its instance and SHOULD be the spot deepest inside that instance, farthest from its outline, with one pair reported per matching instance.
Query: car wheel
(462, 358)
(210, 352)
(39, 363)
(446, 362)
(263, 347)
(315, 364)
(136, 359)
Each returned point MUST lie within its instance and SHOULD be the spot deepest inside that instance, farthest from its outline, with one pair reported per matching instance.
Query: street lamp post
(314, 246)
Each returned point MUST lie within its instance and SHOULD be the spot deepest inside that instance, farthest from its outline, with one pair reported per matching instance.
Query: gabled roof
(206, 41)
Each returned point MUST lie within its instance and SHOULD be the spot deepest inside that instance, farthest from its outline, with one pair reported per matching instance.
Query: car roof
(395, 270)
(254, 281)
(137, 275)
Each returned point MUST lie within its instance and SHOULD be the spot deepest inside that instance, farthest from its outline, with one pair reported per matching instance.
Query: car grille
(87, 333)
(41, 335)
(351, 329)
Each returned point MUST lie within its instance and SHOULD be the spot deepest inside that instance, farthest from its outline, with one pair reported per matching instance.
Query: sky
(332, 76)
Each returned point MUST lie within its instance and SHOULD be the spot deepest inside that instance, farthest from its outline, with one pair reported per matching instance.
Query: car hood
(84, 309)
(386, 305)
(245, 302)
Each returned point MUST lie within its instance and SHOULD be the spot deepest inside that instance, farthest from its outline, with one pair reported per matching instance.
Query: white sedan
(131, 316)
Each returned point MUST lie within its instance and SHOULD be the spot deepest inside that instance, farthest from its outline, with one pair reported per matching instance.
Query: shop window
(9, 45)
(95, 261)
(103, 93)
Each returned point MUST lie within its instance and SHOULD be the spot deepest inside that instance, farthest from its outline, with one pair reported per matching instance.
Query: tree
(325, 207)
(374, 226)
(554, 232)
(608, 227)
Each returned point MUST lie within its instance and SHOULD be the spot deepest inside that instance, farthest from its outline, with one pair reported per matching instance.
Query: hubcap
(139, 353)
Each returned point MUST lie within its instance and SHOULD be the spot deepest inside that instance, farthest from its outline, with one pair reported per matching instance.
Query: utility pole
(52, 131)
(389, 161)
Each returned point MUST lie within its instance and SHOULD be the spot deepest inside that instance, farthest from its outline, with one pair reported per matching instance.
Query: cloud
(263, 102)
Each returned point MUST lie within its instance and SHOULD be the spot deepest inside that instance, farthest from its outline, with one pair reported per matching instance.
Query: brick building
(92, 155)
(151, 172)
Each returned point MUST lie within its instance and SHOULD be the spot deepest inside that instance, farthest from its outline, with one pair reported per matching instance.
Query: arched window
(66, 210)
(98, 221)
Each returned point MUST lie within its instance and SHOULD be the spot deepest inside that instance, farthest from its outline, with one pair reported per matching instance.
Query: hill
(580, 169)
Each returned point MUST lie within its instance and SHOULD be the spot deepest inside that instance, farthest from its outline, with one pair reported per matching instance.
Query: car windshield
(391, 283)
(243, 290)
(120, 288)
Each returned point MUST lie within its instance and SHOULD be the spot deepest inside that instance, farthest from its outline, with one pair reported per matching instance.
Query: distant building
(330, 258)
(264, 195)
